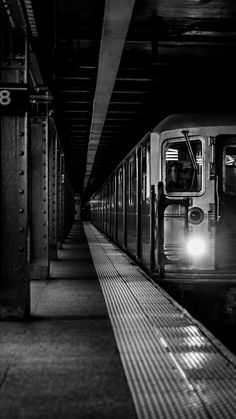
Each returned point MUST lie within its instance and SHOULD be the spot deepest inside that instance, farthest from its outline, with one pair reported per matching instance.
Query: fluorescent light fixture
(31, 17)
(8, 12)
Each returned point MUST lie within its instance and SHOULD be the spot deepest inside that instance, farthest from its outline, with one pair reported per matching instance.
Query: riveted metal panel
(59, 240)
(14, 282)
(53, 195)
(39, 198)
(62, 197)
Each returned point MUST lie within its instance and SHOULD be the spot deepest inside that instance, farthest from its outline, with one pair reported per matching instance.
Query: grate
(174, 367)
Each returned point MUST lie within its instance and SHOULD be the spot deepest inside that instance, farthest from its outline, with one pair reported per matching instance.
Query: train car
(171, 203)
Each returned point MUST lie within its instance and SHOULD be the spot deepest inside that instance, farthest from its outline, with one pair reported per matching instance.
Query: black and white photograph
(118, 209)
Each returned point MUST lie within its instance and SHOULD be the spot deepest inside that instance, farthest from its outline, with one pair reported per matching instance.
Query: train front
(196, 205)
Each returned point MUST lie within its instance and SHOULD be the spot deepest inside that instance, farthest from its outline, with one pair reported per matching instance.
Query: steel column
(39, 197)
(14, 282)
(59, 240)
(52, 193)
(60, 196)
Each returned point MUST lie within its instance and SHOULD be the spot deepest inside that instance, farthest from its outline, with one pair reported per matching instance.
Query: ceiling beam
(117, 16)
(69, 91)
(74, 111)
(69, 102)
(62, 78)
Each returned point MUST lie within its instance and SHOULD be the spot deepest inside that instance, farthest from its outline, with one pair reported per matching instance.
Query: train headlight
(196, 247)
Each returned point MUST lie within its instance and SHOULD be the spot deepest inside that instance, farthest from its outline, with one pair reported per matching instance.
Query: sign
(13, 99)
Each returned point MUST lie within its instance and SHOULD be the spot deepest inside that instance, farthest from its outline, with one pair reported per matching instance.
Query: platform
(64, 363)
(175, 368)
(106, 342)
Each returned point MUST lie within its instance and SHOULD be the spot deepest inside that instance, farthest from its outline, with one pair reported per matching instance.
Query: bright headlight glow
(196, 246)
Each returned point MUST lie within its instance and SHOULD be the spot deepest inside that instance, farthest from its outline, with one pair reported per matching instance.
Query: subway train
(171, 202)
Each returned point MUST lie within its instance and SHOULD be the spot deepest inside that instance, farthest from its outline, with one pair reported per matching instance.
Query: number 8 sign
(13, 99)
(5, 97)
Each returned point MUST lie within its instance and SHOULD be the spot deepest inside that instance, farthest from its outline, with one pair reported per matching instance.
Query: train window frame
(113, 193)
(166, 143)
(130, 177)
(146, 174)
(120, 175)
(224, 166)
(120, 202)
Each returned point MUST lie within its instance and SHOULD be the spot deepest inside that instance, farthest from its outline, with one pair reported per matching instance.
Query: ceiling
(117, 67)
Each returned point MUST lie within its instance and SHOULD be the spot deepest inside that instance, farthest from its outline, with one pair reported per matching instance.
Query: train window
(120, 188)
(113, 187)
(148, 191)
(120, 176)
(146, 173)
(229, 170)
(131, 174)
(132, 181)
(183, 166)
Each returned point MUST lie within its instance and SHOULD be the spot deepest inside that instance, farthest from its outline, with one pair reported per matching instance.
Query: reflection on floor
(64, 363)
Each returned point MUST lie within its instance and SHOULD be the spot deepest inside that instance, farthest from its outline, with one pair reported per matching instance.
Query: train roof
(179, 121)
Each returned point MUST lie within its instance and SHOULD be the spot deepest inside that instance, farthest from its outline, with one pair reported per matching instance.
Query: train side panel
(113, 207)
(145, 204)
(120, 204)
(131, 204)
(107, 227)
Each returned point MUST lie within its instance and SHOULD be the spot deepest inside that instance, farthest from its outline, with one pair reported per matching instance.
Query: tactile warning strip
(175, 368)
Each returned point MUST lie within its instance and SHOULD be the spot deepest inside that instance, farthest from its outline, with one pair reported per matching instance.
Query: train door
(183, 208)
(139, 200)
(226, 202)
(113, 208)
(131, 204)
(108, 209)
(120, 204)
(104, 209)
(125, 204)
(145, 205)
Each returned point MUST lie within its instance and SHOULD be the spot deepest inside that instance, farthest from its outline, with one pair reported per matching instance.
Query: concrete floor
(64, 363)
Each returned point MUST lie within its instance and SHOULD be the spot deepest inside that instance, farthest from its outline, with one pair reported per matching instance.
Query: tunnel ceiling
(116, 68)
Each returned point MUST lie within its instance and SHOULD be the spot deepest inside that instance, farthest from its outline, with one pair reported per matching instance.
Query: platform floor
(104, 342)
(175, 368)
(64, 364)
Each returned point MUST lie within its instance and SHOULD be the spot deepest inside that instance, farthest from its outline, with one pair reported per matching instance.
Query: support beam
(39, 197)
(15, 225)
(73, 111)
(60, 196)
(53, 140)
(117, 17)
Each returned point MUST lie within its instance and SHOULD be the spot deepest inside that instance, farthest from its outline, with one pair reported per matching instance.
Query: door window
(183, 166)
(120, 188)
(229, 170)
(146, 174)
(132, 182)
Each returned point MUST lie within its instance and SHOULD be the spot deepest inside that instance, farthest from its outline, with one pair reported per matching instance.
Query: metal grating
(175, 368)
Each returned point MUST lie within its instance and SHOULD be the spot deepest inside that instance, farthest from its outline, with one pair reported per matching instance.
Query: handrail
(190, 150)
